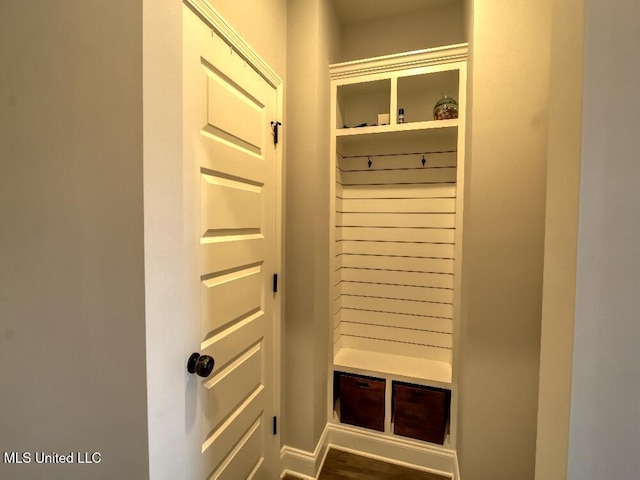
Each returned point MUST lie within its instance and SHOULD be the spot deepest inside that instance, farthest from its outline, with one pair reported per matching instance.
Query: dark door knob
(200, 364)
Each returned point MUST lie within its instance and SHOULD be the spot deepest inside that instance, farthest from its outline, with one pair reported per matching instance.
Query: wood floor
(344, 465)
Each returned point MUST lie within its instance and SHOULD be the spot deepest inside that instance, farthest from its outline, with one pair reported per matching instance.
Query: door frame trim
(209, 15)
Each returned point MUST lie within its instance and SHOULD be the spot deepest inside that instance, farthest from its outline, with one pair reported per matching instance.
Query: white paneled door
(231, 184)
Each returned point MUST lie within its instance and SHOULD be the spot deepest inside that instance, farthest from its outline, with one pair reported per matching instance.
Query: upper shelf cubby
(360, 103)
(412, 81)
(418, 94)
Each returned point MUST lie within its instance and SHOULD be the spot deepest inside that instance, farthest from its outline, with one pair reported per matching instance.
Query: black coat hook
(424, 161)
(369, 162)
(274, 131)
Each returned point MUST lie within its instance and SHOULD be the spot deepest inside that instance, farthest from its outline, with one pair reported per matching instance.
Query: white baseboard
(304, 464)
(392, 449)
(405, 452)
(456, 468)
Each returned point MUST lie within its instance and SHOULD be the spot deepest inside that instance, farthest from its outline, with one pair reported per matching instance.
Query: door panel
(230, 204)
(223, 252)
(230, 296)
(230, 434)
(230, 160)
(247, 113)
(247, 460)
(225, 155)
(230, 386)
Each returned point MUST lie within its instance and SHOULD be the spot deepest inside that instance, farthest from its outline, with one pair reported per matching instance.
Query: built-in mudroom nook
(397, 159)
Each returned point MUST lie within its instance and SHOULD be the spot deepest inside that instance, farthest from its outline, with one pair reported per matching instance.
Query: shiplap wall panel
(395, 234)
(336, 280)
(401, 249)
(338, 289)
(337, 304)
(397, 205)
(398, 320)
(414, 220)
(447, 159)
(434, 190)
(393, 305)
(337, 331)
(399, 292)
(336, 276)
(413, 235)
(406, 264)
(399, 177)
(404, 335)
(418, 279)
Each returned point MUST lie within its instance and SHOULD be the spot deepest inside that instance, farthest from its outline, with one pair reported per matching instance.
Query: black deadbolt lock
(200, 364)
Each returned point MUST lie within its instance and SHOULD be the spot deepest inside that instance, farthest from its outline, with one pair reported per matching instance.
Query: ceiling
(353, 11)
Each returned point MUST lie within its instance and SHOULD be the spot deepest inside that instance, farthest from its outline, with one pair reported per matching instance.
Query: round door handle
(200, 364)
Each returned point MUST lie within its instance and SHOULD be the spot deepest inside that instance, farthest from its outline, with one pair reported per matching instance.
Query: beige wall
(604, 429)
(427, 28)
(72, 338)
(312, 44)
(467, 19)
(561, 231)
(503, 240)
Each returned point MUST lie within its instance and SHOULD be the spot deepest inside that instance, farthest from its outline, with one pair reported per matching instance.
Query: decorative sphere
(446, 108)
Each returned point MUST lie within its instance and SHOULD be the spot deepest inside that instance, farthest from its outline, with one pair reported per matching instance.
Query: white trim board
(400, 61)
(305, 464)
(400, 451)
(204, 10)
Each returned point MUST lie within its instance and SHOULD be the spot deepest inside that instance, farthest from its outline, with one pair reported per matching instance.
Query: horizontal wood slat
(418, 279)
(404, 335)
(337, 304)
(337, 331)
(434, 190)
(429, 235)
(415, 322)
(447, 159)
(420, 220)
(424, 294)
(406, 264)
(430, 250)
(397, 205)
(385, 177)
(441, 310)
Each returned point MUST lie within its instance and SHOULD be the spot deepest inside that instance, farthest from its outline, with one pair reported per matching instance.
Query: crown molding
(400, 61)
